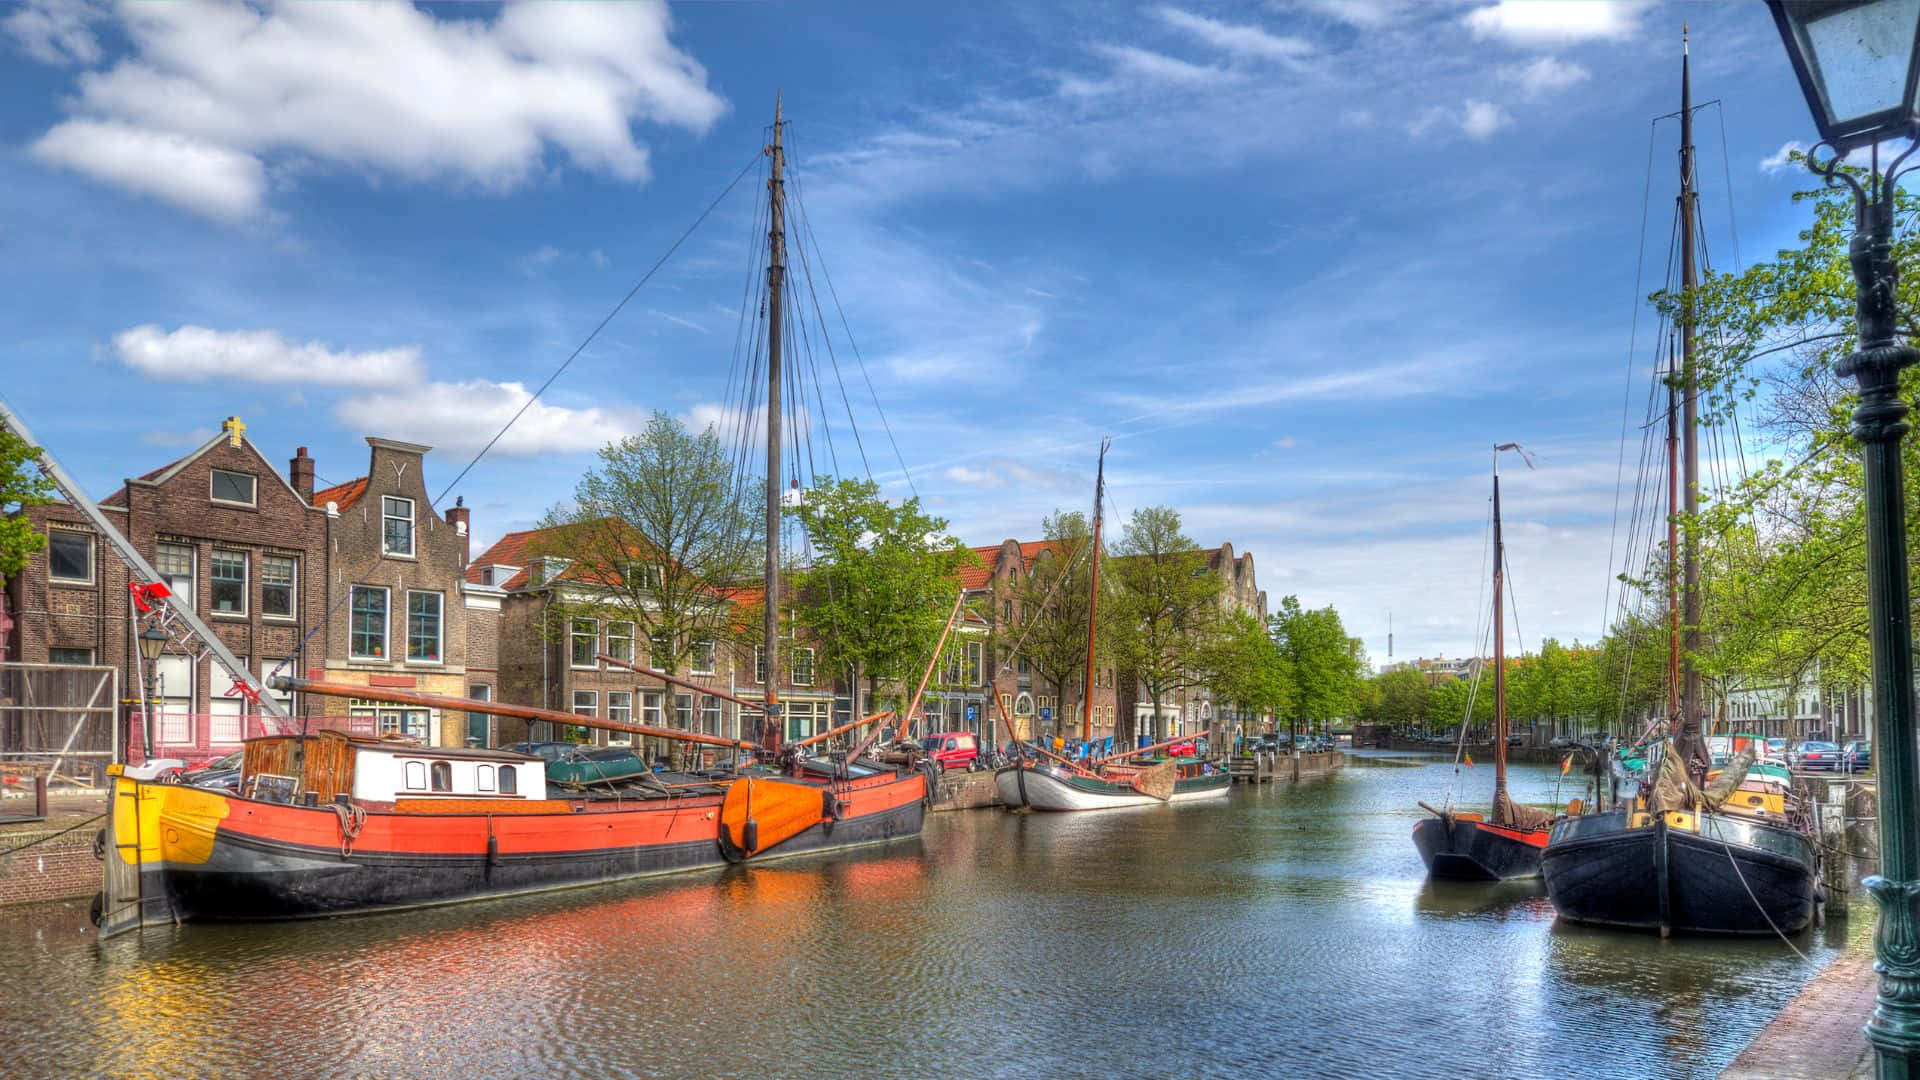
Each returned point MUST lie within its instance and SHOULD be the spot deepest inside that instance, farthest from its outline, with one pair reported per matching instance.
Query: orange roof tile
(341, 495)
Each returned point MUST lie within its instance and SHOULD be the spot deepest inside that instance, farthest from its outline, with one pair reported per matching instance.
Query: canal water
(1287, 931)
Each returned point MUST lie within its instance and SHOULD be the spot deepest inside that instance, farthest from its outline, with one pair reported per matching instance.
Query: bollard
(1836, 869)
(39, 794)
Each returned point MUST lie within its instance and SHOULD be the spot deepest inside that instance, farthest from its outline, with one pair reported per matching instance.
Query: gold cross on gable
(234, 429)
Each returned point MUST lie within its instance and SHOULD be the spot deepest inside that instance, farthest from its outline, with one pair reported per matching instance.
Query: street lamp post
(153, 642)
(1858, 62)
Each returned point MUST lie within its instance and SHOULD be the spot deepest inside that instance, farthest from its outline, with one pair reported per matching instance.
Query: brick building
(1191, 711)
(230, 535)
(994, 587)
(396, 583)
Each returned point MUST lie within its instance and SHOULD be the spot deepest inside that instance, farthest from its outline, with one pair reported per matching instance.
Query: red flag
(1565, 764)
(1469, 761)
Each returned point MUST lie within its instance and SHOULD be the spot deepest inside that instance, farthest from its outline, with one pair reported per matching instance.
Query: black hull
(1472, 851)
(250, 880)
(1739, 877)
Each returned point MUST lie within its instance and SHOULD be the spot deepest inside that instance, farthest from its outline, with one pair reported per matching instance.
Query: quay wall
(43, 864)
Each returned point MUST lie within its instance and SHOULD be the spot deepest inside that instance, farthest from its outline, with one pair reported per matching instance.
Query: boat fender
(493, 848)
(100, 845)
(832, 808)
(750, 836)
(97, 910)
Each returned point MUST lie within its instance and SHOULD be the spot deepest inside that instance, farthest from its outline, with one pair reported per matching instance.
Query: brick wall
(58, 869)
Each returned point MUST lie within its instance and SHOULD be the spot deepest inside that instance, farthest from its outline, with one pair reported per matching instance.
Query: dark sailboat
(1682, 856)
(1506, 843)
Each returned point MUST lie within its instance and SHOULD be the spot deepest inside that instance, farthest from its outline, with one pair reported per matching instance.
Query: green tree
(1400, 699)
(1166, 610)
(1246, 669)
(1049, 610)
(22, 486)
(1325, 662)
(881, 584)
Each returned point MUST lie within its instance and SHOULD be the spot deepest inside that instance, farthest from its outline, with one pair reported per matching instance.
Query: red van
(953, 749)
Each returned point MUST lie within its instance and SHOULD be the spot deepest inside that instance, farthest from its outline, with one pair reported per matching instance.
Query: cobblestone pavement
(1821, 1033)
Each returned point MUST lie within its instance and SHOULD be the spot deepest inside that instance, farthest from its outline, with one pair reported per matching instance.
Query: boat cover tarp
(781, 810)
(1670, 789)
(1723, 785)
(1518, 815)
(1156, 782)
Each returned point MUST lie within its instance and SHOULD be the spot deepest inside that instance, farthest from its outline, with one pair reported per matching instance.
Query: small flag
(1566, 763)
(1469, 761)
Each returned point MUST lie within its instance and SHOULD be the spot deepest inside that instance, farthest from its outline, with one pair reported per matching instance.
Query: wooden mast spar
(771, 726)
(496, 708)
(1093, 599)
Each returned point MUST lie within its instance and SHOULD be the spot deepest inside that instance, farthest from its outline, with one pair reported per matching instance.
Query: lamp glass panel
(1858, 54)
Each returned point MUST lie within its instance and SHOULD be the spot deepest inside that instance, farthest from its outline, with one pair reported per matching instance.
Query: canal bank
(1821, 1034)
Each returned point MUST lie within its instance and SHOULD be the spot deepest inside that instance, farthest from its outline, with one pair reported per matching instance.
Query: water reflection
(1289, 931)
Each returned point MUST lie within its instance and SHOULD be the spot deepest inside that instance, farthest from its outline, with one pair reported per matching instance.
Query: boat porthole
(172, 837)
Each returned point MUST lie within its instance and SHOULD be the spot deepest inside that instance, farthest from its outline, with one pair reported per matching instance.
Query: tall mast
(1093, 599)
(1673, 538)
(1690, 596)
(1499, 652)
(776, 280)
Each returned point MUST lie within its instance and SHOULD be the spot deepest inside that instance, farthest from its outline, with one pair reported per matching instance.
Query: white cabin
(384, 773)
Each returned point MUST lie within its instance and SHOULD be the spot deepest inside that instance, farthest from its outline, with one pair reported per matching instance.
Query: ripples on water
(1288, 932)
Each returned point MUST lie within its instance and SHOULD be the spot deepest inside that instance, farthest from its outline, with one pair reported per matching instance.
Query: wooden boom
(844, 728)
(1207, 734)
(675, 680)
(496, 708)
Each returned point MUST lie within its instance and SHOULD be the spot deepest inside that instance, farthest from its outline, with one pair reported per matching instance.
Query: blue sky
(1305, 261)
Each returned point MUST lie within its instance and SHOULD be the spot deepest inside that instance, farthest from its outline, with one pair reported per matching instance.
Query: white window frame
(439, 627)
(588, 698)
(652, 704)
(92, 548)
(246, 583)
(252, 480)
(292, 587)
(710, 714)
(760, 664)
(483, 777)
(703, 658)
(626, 637)
(415, 774)
(620, 702)
(797, 681)
(386, 622)
(683, 711)
(183, 585)
(573, 634)
(387, 515)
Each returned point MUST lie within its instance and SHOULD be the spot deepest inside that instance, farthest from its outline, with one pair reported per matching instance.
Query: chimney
(300, 474)
(458, 516)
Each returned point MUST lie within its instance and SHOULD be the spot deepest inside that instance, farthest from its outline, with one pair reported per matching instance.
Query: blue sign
(973, 713)
(1046, 712)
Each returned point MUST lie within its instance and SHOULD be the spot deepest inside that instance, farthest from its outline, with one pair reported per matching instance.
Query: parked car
(222, 773)
(1777, 749)
(1857, 756)
(1815, 755)
(953, 749)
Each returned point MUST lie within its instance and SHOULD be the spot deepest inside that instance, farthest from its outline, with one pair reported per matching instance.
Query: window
(803, 667)
(509, 780)
(683, 711)
(620, 641)
(585, 636)
(423, 627)
(396, 526)
(661, 656)
(483, 777)
(976, 653)
(703, 658)
(650, 710)
(416, 776)
(1023, 664)
(229, 582)
(367, 633)
(69, 656)
(620, 706)
(442, 773)
(277, 575)
(69, 556)
(480, 725)
(175, 563)
(710, 714)
(760, 664)
(586, 703)
(230, 487)
(1006, 611)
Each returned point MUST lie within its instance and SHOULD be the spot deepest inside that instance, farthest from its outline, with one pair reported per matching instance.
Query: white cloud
(195, 353)
(1145, 66)
(1365, 14)
(206, 178)
(1245, 41)
(57, 32)
(968, 476)
(462, 416)
(677, 320)
(1285, 442)
(225, 92)
(1480, 119)
(1780, 159)
(1536, 23)
(1546, 75)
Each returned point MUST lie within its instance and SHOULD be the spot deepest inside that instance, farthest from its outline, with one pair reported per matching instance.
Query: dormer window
(231, 487)
(396, 535)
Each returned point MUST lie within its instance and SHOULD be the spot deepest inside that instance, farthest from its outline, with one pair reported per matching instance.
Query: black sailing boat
(1670, 859)
(1506, 843)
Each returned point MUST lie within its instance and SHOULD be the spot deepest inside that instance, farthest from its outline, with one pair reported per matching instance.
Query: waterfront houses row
(365, 583)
